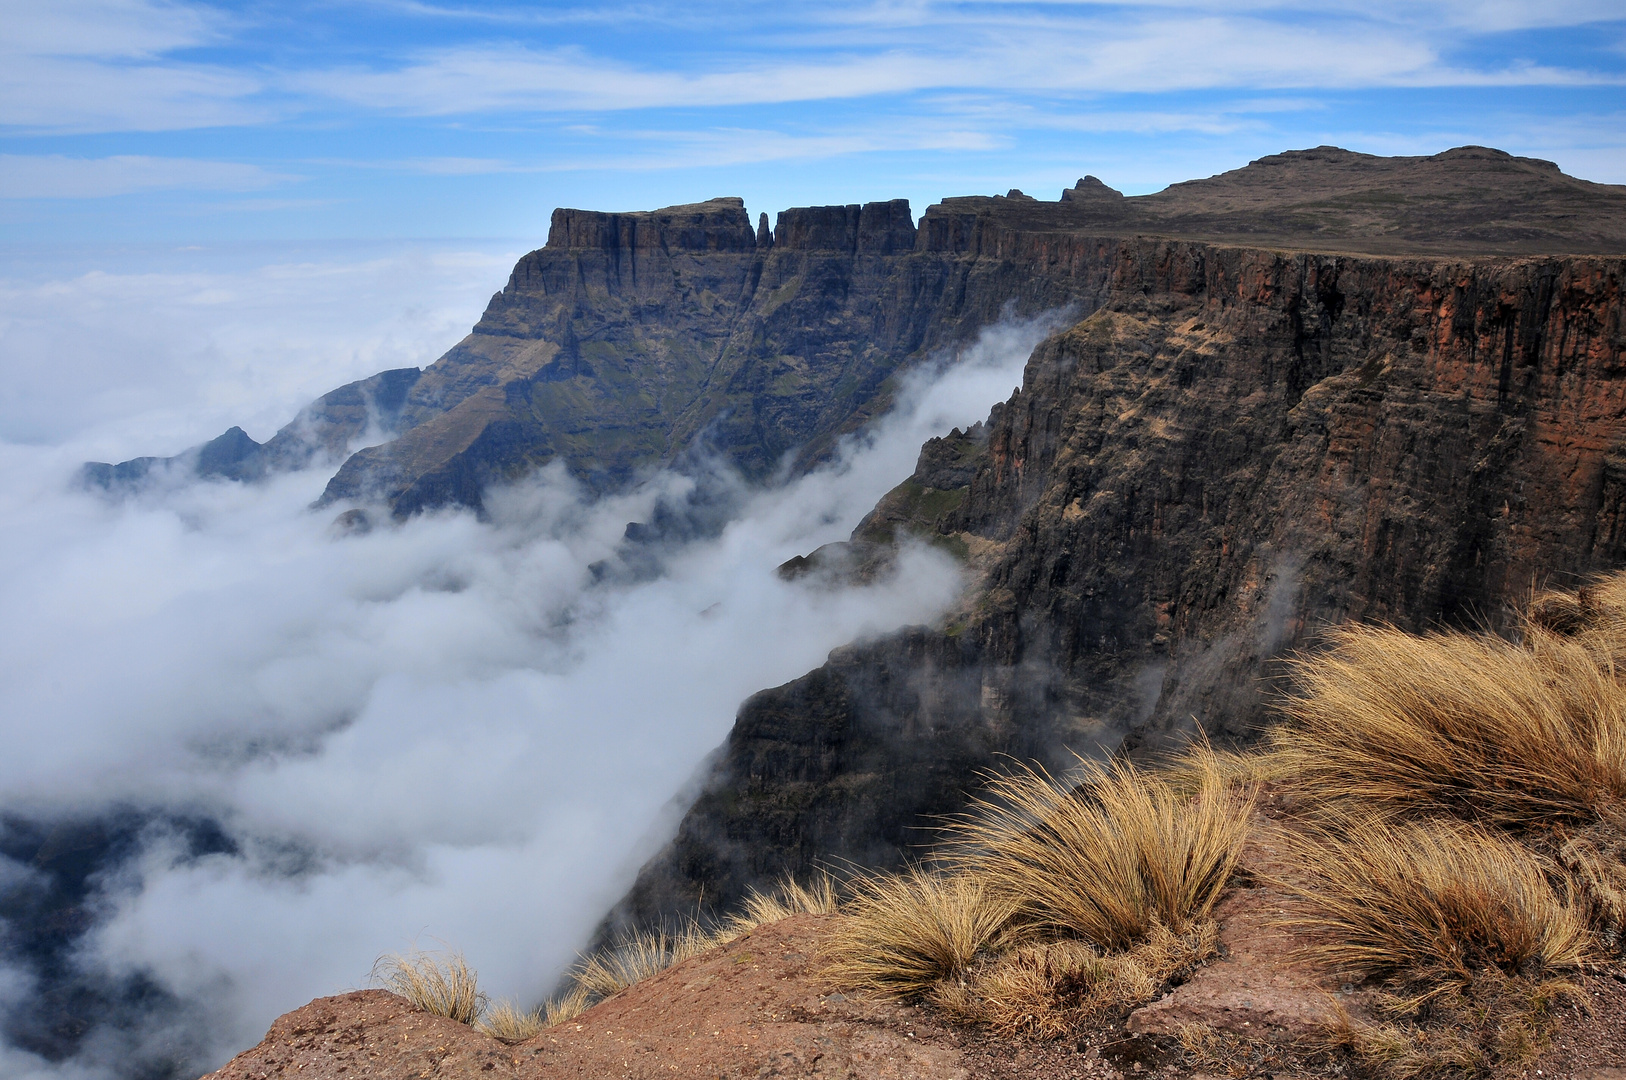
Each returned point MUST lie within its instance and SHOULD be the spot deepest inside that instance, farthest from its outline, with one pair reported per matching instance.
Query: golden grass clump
(1049, 988)
(507, 1022)
(1593, 616)
(790, 897)
(1433, 905)
(1112, 856)
(1520, 736)
(439, 983)
(1492, 1026)
(565, 1007)
(903, 933)
(645, 953)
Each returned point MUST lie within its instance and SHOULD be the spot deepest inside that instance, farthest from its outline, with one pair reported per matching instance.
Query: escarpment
(1327, 386)
(634, 339)
(1238, 449)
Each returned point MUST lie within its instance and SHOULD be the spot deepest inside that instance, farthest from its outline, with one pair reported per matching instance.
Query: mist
(450, 731)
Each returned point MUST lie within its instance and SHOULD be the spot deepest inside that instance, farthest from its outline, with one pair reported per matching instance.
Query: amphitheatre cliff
(1327, 386)
(1234, 449)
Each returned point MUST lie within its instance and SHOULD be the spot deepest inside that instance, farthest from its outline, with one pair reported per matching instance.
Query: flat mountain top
(1471, 200)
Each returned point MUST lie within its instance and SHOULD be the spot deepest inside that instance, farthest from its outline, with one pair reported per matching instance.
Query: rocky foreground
(759, 1007)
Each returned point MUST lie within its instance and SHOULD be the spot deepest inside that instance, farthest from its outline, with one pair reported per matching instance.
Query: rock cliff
(1326, 386)
(631, 340)
(1239, 448)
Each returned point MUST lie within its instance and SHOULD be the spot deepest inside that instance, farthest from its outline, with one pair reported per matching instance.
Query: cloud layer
(448, 730)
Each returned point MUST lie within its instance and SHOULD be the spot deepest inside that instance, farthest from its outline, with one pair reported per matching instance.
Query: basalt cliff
(1235, 448)
(1327, 386)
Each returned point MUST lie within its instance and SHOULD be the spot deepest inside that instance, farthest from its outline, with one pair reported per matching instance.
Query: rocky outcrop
(1237, 450)
(756, 1007)
(1283, 408)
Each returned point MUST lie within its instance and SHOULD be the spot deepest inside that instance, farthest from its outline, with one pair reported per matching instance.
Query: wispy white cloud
(72, 94)
(482, 79)
(1096, 54)
(119, 64)
(108, 28)
(104, 65)
(55, 176)
(667, 148)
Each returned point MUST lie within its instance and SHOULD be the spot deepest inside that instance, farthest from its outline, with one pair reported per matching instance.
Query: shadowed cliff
(634, 339)
(1239, 449)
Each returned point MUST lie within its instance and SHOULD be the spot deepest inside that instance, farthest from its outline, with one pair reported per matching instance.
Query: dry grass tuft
(507, 1022)
(789, 898)
(1593, 616)
(1494, 1025)
(903, 933)
(636, 958)
(568, 1007)
(1227, 1053)
(1433, 905)
(1410, 1052)
(1112, 856)
(1519, 736)
(1595, 860)
(439, 983)
(1047, 989)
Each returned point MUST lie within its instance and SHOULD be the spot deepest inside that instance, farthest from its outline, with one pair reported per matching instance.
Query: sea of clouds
(451, 731)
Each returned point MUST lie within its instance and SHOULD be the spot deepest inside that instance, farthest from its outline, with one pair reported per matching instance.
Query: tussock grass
(903, 933)
(1595, 859)
(1492, 1026)
(507, 1022)
(1519, 736)
(1110, 857)
(1593, 616)
(565, 1007)
(1462, 812)
(1433, 905)
(790, 897)
(639, 956)
(1049, 988)
(439, 983)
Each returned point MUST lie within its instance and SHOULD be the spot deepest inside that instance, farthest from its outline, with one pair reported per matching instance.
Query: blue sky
(147, 121)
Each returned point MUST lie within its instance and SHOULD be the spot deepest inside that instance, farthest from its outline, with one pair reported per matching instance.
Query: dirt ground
(758, 1008)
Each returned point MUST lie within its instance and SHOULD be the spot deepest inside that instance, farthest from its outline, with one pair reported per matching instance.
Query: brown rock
(753, 1008)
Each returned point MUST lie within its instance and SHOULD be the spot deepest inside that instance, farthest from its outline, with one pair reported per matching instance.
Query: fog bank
(446, 731)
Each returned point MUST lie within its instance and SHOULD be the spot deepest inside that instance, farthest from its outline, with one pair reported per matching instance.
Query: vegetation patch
(439, 983)
(1455, 826)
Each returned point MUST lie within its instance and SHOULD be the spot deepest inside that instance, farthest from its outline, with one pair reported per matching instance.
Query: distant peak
(1089, 188)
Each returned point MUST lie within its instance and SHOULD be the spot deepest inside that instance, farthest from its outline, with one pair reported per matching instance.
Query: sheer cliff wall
(631, 339)
(1236, 449)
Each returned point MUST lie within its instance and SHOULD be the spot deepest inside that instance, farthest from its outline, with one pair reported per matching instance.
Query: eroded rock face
(632, 339)
(1239, 449)
(323, 431)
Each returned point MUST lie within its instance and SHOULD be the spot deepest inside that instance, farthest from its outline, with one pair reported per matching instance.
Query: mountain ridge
(632, 339)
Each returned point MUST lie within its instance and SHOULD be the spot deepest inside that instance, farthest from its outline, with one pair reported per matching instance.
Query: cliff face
(1238, 449)
(631, 339)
